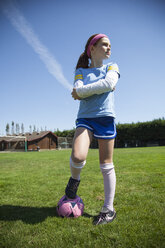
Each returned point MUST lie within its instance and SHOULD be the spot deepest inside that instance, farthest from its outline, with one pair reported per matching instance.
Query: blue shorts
(101, 127)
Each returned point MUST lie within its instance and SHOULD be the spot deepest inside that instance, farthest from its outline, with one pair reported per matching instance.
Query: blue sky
(40, 45)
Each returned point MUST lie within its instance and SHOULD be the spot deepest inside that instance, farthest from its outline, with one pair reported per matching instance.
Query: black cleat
(104, 217)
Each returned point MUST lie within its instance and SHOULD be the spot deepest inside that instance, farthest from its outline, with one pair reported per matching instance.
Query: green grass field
(32, 183)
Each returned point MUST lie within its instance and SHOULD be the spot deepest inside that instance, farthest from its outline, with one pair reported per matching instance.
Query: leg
(106, 148)
(81, 143)
(80, 148)
(107, 213)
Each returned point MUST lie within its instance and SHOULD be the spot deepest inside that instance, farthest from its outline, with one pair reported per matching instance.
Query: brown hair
(83, 60)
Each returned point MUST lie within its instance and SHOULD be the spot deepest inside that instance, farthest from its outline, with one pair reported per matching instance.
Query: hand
(74, 94)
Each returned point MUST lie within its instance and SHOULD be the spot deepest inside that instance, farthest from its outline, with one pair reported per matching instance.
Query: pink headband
(93, 41)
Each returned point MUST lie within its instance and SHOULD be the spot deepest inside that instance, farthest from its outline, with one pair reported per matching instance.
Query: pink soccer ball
(70, 207)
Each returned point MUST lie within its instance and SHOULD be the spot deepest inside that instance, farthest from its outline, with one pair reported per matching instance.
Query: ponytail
(84, 59)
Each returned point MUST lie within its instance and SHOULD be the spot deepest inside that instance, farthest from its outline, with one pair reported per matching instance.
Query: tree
(34, 128)
(17, 128)
(7, 129)
(30, 129)
(22, 128)
(12, 128)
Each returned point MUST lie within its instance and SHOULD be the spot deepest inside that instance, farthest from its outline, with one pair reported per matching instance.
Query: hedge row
(134, 134)
(141, 134)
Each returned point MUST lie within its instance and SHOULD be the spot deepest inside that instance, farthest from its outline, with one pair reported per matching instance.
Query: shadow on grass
(29, 215)
(88, 215)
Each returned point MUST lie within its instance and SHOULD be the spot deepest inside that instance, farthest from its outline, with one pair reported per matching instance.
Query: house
(42, 140)
(12, 143)
(34, 141)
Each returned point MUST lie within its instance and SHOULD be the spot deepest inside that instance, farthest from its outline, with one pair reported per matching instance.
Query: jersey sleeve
(78, 78)
(99, 87)
(113, 67)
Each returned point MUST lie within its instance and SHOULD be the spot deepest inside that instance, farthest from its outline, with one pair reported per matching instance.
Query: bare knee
(78, 157)
(81, 145)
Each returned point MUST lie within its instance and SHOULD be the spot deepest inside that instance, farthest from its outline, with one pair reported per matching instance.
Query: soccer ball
(70, 207)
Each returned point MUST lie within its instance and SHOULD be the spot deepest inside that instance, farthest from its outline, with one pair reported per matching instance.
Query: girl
(93, 86)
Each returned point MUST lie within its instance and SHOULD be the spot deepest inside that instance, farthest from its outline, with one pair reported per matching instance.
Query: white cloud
(23, 27)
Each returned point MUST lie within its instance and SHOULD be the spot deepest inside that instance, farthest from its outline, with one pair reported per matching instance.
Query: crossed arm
(81, 91)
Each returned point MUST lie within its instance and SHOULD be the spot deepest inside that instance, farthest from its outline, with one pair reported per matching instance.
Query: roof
(28, 136)
(12, 138)
(36, 136)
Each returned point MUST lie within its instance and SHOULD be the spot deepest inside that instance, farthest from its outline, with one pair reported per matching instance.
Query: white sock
(109, 177)
(76, 168)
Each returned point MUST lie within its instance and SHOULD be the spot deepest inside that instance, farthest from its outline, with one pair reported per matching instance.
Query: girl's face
(102, 50)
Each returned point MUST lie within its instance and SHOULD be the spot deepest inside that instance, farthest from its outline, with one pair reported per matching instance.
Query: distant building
(35, 141)
(12, 143)
(42, 140)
